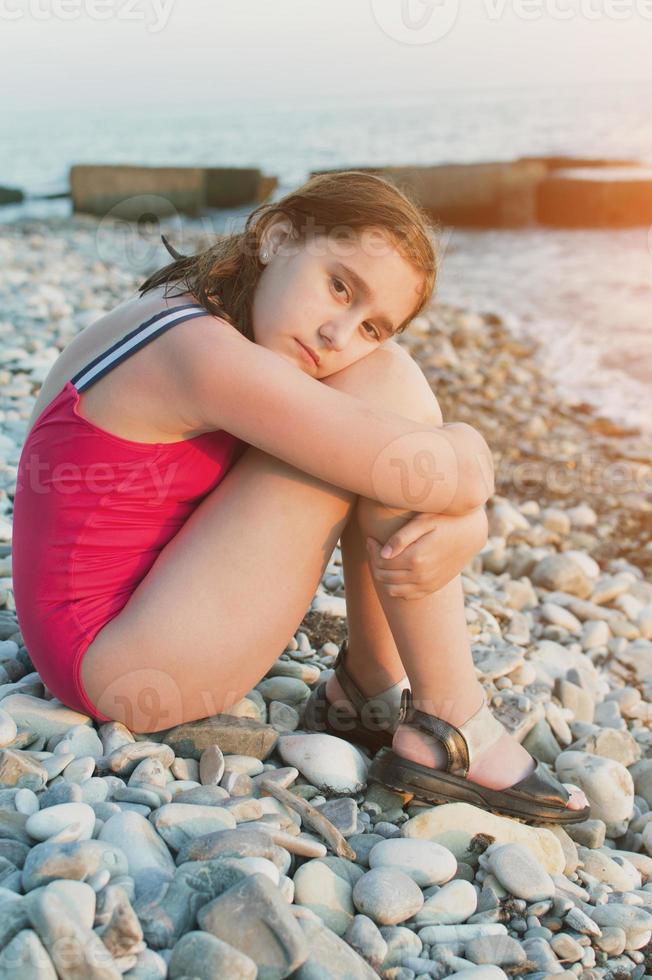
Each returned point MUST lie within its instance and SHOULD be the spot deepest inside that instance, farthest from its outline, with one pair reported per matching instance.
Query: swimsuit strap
(133, 341)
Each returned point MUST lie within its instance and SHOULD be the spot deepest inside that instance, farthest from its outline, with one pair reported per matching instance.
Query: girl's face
(341, 299)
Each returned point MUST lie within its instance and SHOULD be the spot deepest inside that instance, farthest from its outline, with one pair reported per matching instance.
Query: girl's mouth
(309, 356)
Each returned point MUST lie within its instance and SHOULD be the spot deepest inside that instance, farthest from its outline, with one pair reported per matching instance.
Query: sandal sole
(431, 786)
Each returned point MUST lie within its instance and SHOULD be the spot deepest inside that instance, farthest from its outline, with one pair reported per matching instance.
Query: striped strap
(134, 340)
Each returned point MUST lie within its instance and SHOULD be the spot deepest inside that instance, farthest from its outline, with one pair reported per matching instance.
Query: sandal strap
(476, 735)
(353, 693)
(376, 711)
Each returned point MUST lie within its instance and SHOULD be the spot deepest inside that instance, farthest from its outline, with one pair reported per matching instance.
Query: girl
(194, 457)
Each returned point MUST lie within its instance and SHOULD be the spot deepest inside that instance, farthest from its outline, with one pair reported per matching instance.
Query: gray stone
(81, 740)
(283, 717)
(177, 823)
(13, 915)
(203, 956)
(203, 795)
(497, 950)
(362, 844)
(235, 736)
(577, 699)
(364, 936)
(51, 820)
(12, 826)
(151, 772)
(426, 862)
(144, 850)
(167, 910)
(26, 957)
(330, 763)
(8, 729)
(566, 948)
(610, 869)
(588, 833)
(401, 942)
(540, 953)
(75, 950)
(241, 842)
(387, 896)
(46, 718)
(291, 690)
(124, 759)
(325, 886)
(607, 784)
(612, 941)
(78, 897)
(611, 744)
(635, 922)
(18, 769)
(452, 904)
(268, 933)
(77, 860)
(342, 813)
(561, 572)
(330, 956)
(493, 662)
(211, 765)
(520, 873)
(541, 743)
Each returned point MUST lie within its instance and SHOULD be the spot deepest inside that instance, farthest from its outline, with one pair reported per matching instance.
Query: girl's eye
(336, 280)
(375, 332)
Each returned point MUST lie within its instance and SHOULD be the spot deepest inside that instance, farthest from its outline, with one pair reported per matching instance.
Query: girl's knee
(391, 379)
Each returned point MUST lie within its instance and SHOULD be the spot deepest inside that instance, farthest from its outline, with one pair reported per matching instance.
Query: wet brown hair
(342, 204)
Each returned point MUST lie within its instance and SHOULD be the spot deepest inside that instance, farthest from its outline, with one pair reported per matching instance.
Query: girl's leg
(372, 660)
(430, 633)
(432, 637)
(222, 599)
(230, 588)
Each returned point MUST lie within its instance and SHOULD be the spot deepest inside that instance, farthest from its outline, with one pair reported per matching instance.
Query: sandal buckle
(406, 705)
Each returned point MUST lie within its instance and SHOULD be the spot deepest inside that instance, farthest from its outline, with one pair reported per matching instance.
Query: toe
(577, 799)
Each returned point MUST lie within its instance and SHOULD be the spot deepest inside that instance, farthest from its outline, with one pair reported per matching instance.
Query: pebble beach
(240, 846)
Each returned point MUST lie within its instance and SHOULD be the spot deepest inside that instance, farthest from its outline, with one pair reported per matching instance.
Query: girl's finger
(411, 531)
(406, 576)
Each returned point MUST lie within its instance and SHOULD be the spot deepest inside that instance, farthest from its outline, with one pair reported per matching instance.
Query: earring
(264, 255)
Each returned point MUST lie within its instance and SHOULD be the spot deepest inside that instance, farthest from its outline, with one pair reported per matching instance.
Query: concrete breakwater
(561, 192)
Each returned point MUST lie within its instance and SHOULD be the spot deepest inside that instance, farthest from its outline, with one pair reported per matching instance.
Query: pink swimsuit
(92, 512)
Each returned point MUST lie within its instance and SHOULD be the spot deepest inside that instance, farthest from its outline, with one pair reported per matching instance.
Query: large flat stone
(233, 735)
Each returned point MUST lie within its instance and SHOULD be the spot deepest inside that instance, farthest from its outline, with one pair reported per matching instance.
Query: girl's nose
(337, 333)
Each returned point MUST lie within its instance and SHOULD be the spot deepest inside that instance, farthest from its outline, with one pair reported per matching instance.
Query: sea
(586, 295)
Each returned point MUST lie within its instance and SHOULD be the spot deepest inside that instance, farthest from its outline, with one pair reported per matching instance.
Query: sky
(139, 52)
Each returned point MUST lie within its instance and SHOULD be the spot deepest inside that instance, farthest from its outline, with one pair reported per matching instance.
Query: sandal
(538, 798)
(374, 724)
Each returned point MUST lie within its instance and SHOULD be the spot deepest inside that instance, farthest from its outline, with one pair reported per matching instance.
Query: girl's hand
(427, 552)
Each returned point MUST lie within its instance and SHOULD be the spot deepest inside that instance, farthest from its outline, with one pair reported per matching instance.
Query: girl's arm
(225, 381)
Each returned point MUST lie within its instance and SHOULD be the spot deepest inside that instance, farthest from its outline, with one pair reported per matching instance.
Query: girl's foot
(505, 763)
(392, 696)
(338, 707)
